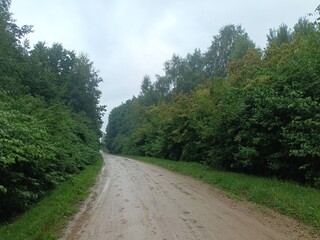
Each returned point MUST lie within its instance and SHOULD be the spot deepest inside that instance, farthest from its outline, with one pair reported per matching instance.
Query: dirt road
(137, 201)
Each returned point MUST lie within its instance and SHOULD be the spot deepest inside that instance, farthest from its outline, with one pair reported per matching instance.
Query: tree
(50, 116)
(81, 90)
(280, 36)
(219, 53)
(184, 74)
(260, 117)
(12, 52)
(304, 27)
(122, 122)
(146, 85)
(162, 89)
(147, 95)
(242, 45)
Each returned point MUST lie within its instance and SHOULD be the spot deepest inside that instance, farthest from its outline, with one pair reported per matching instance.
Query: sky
(127, 39)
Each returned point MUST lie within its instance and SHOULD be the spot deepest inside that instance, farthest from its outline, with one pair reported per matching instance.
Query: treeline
(235, 107)
(50, 116)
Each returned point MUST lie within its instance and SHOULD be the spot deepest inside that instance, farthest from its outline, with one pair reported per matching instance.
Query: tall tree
(242, 45)
(219, 53)
(279, 36)
(12, 52)
(147, 95)
(82, 93)
(50, 116)
(304, 27)
(184, 74)
(162, 88)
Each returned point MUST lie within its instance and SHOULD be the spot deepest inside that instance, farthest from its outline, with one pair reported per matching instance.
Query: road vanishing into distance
(137, 201)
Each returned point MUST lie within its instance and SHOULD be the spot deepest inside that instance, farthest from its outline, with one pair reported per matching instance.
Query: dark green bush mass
(50, 117)
(234, 107)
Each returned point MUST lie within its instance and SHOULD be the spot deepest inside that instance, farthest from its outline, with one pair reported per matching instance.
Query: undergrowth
(47, 218)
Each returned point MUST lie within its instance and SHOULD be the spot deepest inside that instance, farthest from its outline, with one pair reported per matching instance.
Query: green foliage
(122, 120)
(23, 141)
(50, 116)
(304, 27)
(260, 117)
(41, 146)
(232, 42)
(50, 216)
(282, 114)
(56, 73)
(12, 59)
(280, 36)
(184, 74)
(242, 45)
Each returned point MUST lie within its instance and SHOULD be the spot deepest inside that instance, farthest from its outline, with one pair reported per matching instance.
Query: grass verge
(47, 218)
(299, 202)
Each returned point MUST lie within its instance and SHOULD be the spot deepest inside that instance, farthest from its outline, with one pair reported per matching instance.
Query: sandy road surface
(137, 201)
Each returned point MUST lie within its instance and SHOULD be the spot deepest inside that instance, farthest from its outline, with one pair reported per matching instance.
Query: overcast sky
(127, 39)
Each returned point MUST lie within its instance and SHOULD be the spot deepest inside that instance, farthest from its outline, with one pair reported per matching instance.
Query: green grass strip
(291, 199)
(50, 216)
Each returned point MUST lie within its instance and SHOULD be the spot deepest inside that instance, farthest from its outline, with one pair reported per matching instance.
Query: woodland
(235, 107)
(50, 117)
